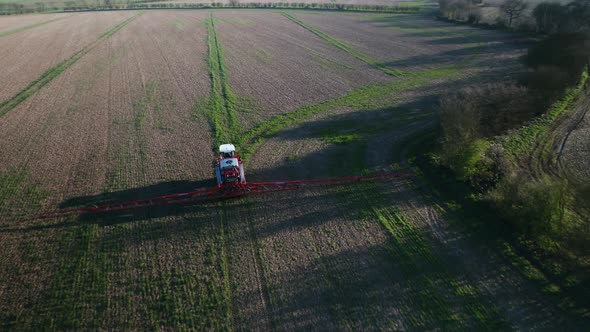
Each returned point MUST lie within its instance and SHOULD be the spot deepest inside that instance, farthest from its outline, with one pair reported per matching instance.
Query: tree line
(70, 5)
(545, 17)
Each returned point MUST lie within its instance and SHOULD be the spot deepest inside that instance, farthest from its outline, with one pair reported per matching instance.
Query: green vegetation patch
(339, 138)
(222, 101)
(77, 295)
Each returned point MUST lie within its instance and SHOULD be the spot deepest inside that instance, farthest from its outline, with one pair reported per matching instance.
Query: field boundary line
(224, 267)
(30, 26)
(11, 103)
(267, 295)
(346, 47)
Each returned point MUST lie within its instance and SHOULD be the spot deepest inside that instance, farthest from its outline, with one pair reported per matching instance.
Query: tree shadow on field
(405, 21)
(374, 287)
(469, 39)
(451, 57)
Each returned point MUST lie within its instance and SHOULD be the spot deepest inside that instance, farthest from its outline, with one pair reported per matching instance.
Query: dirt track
(573, 150)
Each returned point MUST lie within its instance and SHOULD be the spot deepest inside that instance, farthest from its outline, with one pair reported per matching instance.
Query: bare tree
(513, 9)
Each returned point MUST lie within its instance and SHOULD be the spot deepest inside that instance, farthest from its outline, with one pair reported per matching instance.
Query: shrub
(473, 115)
(489, 169)
(549, 16)
(568, 51)
(538, 207)
(548, 81)
(460, 126)
(502, 106)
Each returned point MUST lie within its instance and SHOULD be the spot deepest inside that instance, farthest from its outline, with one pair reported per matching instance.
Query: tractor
(231, 182)
(229, 169)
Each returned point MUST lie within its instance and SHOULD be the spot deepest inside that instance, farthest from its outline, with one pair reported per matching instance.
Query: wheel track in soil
(548, 153)
(264, 292)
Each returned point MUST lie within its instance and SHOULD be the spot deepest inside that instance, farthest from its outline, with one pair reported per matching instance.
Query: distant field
(113, 106)
(375, 2)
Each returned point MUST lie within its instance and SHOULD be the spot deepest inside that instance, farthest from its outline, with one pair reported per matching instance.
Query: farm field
(124, 105)
(32, 52)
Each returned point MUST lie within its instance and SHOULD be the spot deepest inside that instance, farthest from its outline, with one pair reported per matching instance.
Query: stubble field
(114, 106)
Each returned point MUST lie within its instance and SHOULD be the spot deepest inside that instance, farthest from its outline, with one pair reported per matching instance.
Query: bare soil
(407, 42)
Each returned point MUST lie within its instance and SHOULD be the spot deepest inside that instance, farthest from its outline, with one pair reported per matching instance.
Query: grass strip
(358, 98)
(222, 101)
(27, 27)
(11, 103)
(346, 48)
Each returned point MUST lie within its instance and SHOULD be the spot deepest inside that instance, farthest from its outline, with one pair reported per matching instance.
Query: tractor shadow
(389, 126)
(158, 189)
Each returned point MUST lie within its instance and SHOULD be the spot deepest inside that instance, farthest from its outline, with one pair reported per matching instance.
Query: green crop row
(346, 48)
(119, 26)
(222, 101)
